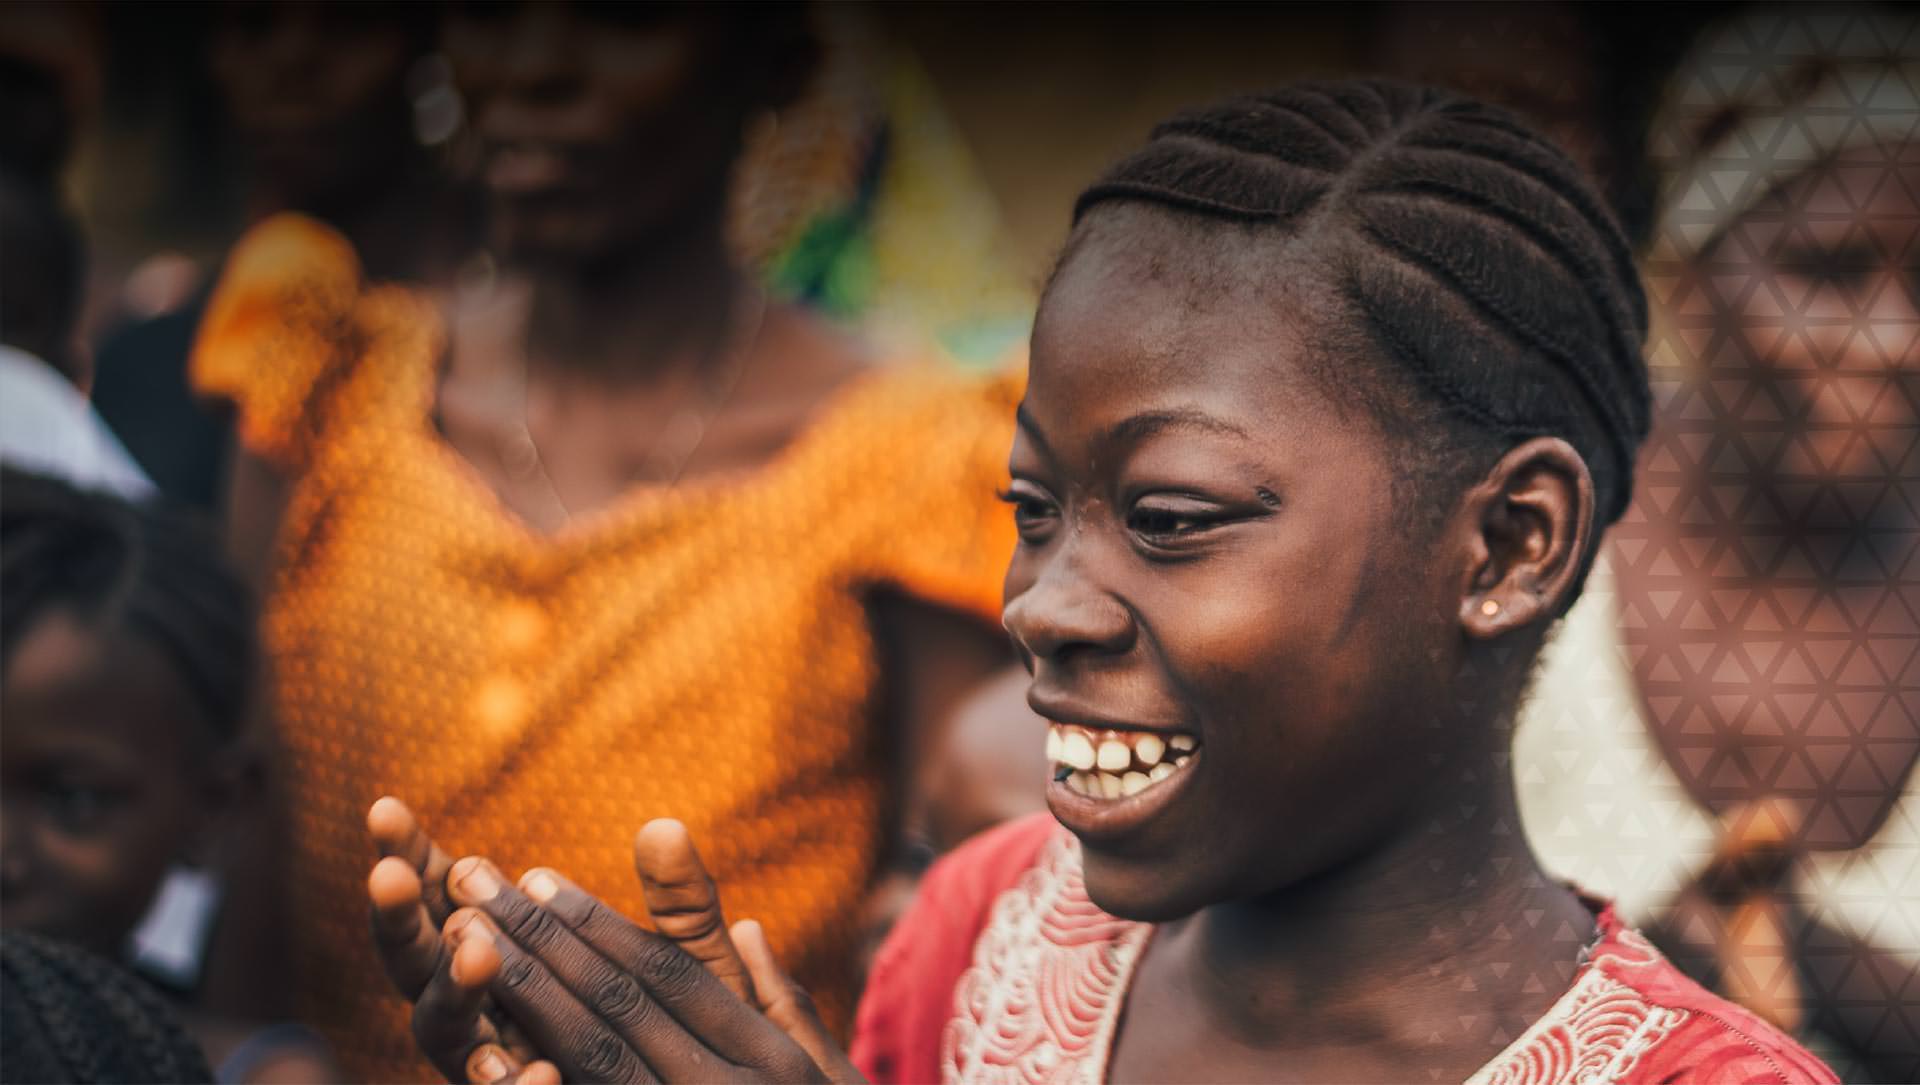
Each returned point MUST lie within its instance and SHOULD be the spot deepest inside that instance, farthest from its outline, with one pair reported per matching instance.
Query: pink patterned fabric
(1039, 1000)
(1050, 974)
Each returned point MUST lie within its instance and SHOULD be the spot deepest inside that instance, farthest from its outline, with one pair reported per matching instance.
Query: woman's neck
(1450, 919)
(645, 315)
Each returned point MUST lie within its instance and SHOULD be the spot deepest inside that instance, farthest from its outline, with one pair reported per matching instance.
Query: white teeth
(1117, 765)
(1075, 750)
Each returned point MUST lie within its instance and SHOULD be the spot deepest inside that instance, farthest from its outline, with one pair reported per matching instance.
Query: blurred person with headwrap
(46, 424)
(1726, 731)
(607, 527)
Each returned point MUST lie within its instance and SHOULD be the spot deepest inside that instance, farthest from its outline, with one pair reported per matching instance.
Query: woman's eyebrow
(1147, 424)
(1136, 428)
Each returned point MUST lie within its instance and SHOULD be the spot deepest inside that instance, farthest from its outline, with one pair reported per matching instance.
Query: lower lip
(1098, 820)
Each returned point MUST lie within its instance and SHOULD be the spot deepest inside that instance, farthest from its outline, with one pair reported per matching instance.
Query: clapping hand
(538, 982)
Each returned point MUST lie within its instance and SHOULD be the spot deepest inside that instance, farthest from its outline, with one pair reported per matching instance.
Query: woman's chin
(1142, 892)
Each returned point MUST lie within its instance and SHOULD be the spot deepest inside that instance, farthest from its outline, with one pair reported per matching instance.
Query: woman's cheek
(1236, 630)
(86, 865)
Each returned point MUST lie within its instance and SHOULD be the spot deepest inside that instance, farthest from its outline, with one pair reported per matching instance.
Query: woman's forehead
(1121, 322)
(1162, 263)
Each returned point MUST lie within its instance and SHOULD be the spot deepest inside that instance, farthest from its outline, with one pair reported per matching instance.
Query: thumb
(684, 902)
(788, 1005)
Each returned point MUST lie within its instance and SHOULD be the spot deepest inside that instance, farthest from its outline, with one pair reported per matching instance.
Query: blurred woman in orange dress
(601, 531)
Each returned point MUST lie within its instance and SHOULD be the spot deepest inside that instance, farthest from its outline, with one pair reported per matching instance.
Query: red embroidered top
(1004, 971)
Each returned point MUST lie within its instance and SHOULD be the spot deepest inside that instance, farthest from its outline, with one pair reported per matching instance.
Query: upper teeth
(1077, 750)
(1114, 764)
(1149, 748)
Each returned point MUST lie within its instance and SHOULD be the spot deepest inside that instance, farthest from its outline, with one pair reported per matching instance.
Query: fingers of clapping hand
(579, 1010)
(788, 1005)
(448, 1023)
(685, 904)
(628, 946)
(407, 937)
(406, 930)
(642, 991)
(396, 832)
(496, 1066)
(612, 936)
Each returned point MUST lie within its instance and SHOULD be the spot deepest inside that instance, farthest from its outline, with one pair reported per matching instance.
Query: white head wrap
(1767, 96)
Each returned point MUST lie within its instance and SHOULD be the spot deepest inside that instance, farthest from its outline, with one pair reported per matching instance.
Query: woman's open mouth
(1114, 764)
(1108, 780)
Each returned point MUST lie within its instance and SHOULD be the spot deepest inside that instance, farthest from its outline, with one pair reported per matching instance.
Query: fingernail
(476, 884)
(540, 886)
(473, 932)
(487, 1065)
(473, 929)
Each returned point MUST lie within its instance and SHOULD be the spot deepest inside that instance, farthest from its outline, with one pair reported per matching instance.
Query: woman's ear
(1532, 523)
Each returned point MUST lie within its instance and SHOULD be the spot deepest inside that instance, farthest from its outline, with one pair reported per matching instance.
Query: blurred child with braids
(126, 657)
(70, 1016)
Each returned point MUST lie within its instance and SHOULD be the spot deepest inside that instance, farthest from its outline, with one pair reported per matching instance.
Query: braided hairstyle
(72, 1017)
(146, 571)
(1460, 249)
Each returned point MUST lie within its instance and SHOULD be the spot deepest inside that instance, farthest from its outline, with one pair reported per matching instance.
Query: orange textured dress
(699, 651)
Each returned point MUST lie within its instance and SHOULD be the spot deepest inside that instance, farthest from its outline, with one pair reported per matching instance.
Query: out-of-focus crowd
(565, 415)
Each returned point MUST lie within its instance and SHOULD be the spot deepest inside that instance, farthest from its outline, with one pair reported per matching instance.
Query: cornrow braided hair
(144, 570)
(69, 1016)
(1473, 253)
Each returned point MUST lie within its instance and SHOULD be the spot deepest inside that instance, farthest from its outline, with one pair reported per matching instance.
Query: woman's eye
(1033, 513)
(1167, 524)
(77, 808)
(1844, 267)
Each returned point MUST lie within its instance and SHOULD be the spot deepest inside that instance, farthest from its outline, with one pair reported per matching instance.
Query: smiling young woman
(1330, 397)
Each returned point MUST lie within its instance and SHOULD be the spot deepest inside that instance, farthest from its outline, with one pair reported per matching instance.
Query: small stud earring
(1489, 607)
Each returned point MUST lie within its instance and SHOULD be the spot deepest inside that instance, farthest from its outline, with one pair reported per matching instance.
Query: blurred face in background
(104, 770)
(317, 92)
(1818, 292)
(606, 127)
(1789, 502)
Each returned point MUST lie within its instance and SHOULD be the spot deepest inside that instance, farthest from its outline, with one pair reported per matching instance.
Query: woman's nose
(1061, 612)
